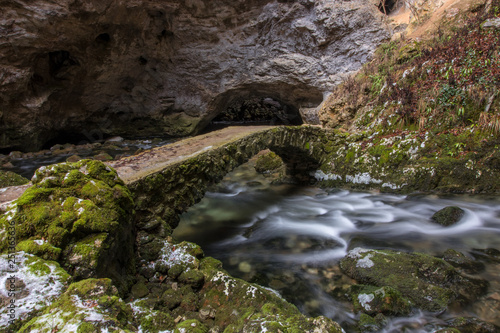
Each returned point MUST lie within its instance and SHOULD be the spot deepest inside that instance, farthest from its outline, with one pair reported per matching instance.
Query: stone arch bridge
(167, 180)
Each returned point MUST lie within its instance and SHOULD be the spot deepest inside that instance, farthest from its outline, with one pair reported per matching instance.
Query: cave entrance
(258, 110)
(388, 6)
(270, 103)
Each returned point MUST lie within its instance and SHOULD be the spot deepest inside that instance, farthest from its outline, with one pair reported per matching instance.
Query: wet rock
(245, 267)
(473, 325)
(460, 260)
(193, 278)
(9, 178)
(489, 255)
(16, 155)
(171, 299)
(115, 139)
(371, 324)
(139, 290)
(372, 300)
(56, 147)
(103, 157)
(428, 282)
(151, 320)
(73, 158)
(448, 216)
(8, 165)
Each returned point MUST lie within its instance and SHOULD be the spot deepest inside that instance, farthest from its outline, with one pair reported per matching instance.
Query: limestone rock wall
(85, 69)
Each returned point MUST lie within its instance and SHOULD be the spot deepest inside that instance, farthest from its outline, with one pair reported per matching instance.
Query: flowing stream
(291, 239)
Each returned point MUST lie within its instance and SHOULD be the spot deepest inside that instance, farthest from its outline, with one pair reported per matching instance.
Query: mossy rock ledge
(79, 214)
(429, 283)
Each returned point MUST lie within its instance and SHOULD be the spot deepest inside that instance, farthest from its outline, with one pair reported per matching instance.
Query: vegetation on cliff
(424, 114)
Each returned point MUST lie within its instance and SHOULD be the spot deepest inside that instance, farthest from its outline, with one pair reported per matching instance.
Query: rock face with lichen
(83, 70)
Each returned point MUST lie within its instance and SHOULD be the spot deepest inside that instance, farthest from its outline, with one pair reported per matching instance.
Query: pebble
(115, 139)
(204, 313)
(103, 157)
(245, 267)
(73, 158)
(277, 284)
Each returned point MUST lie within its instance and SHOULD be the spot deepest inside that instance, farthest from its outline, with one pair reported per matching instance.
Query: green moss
(156, 321)
(9, 178)
(73, 206)
(268, 162)
(44, 250)
(86, 327)
(373, 300)
(192, 277)
(191, 326)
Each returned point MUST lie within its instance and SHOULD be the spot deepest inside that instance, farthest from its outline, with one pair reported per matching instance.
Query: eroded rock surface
(83, 70)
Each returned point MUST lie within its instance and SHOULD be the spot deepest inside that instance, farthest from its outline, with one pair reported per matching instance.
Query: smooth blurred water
(292, 238)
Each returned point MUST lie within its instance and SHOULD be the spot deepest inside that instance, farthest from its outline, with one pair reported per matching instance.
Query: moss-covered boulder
(91, 305)
(372, 300)
(268, 162)
(448, 216)
(27, 285)
(244, 307)
(9, 178)
(428, 282)
(79, 213)
(150, 320)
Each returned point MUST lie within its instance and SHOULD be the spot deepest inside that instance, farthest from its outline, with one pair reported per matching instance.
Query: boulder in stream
(430, 283)
(448, 216)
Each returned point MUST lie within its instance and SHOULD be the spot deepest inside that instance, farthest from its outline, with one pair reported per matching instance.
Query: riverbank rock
(372, 300)
(193, 289)
(430, 283)
(91, 305)
(80, 213)
(9, 178)
(448, 216)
